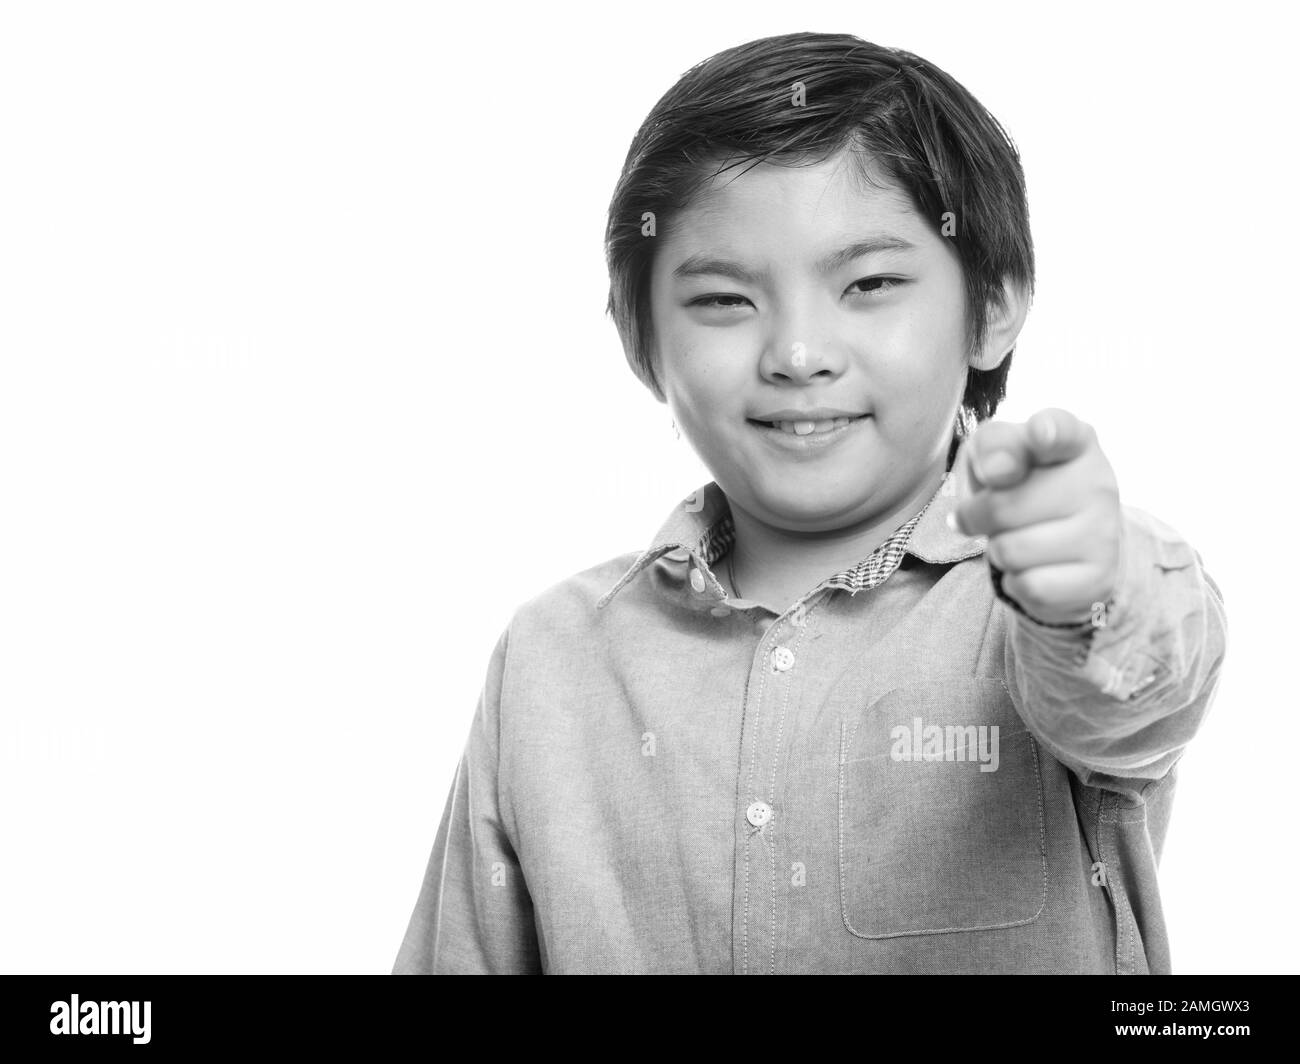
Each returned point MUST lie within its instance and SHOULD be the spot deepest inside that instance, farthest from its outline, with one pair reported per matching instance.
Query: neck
(776, 567)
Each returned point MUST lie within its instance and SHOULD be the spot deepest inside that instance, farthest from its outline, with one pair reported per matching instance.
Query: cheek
(707, 372)
(922, 356)
(920, 369)
(698, 388)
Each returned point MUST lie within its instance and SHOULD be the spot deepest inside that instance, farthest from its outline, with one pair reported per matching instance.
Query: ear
(1005, 318)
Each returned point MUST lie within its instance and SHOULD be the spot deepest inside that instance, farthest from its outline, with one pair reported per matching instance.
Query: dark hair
(927, 133)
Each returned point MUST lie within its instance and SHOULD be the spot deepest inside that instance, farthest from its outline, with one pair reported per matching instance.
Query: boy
(902, 689)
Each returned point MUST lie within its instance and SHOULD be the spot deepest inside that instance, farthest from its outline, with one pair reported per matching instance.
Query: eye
(876, 285)
(713, 301)
(873, 286)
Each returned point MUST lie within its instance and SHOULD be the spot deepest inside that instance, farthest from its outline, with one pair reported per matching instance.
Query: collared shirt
(902, 773)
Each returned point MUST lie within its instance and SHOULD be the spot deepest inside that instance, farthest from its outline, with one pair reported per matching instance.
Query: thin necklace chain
(731, 572)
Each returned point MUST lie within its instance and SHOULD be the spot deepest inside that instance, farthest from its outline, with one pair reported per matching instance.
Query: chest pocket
(940, 812)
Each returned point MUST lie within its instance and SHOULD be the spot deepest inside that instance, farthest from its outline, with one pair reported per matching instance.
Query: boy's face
(880, 336)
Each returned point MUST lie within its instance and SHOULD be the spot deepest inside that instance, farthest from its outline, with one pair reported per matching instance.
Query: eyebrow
(702, 265)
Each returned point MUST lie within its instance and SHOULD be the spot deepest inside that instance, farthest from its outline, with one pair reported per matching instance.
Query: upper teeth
(803, 428)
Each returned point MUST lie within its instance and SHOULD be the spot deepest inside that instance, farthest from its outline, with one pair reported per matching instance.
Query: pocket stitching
(845, 745)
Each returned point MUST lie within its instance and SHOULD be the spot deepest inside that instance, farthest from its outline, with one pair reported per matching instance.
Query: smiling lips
(804, 428)
(826, 421)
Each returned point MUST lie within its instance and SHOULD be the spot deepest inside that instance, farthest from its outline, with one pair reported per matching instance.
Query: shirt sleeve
(474, 914)
(1121, 696)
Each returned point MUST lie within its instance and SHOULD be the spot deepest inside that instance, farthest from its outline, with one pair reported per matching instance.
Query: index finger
(996, 455)
(1056, 436)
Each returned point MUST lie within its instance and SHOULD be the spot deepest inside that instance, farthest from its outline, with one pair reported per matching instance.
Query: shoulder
(569, 605)
(1168, 546)
(554, 622)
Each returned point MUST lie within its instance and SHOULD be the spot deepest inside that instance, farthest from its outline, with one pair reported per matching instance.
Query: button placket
(757, 905)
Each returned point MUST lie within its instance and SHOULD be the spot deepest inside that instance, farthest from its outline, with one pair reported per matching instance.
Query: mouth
(809, 428)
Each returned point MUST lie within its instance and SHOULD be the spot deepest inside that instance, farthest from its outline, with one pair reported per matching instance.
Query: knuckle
(1105, 493)
(1007, 552)
(995, 512)
(994, 433)
(1014, 585)
(1031, 587)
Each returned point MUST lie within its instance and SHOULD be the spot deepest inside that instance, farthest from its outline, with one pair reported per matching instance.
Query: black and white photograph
(684, 490)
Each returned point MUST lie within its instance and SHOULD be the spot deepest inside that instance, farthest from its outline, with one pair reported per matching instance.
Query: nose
(792, 360)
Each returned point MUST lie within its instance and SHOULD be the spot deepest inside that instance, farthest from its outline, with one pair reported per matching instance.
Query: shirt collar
(701, 525)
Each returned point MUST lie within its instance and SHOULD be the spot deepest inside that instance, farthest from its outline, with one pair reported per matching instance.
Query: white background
(306, 384)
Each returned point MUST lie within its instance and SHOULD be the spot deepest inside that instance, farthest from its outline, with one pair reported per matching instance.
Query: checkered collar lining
(703, 526)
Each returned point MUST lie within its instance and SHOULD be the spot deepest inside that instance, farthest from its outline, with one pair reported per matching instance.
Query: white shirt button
(758, 814)
(697, 580)
(720, 611)
(782, 659)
